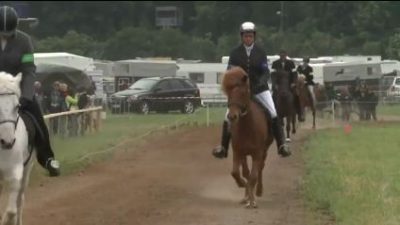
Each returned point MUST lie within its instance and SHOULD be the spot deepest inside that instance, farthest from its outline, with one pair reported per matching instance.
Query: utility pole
(282, 18)
(281, 14)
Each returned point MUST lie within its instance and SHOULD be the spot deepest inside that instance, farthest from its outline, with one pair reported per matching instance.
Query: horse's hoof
(10, 218)
(251, 205)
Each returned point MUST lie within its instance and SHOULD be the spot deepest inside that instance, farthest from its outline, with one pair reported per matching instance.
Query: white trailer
(208, 77)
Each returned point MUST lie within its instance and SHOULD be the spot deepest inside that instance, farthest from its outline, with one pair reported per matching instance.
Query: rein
(15, 122)
(243, 107)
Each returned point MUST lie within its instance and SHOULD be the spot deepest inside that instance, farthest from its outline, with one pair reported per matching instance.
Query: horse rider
(16, 56)
(287, 65)
(252, 59)
(307, 71)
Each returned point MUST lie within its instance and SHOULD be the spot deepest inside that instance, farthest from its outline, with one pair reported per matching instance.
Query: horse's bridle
(243, 107)
(15, 122)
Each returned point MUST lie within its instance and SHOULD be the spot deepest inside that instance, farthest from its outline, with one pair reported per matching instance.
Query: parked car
(160, 94)
(391, 84)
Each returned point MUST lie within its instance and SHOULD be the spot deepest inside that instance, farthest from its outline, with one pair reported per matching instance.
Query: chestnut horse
(284, 100)
(305, 97)
(250, 133)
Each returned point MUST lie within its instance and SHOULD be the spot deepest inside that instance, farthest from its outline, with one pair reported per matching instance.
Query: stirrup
(220, 152)
(284, 150)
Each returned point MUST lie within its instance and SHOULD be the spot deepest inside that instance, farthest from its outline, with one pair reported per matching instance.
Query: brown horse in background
(250, 136)
(322, 99)
(305, 97)
(284, 101)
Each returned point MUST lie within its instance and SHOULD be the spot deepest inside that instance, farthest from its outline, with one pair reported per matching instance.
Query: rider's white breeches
(265, 98)
(311, 90)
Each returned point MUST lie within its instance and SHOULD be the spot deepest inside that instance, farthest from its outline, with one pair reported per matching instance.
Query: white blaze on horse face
(8, 117)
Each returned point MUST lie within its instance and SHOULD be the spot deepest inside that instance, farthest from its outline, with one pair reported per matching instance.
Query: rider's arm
(293, 73)
(232, 62)
(27, 68)
(265, 71)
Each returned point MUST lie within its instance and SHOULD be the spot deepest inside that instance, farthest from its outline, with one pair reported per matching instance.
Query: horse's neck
(249, 119)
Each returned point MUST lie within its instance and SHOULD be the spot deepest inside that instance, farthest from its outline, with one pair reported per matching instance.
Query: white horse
(16, 159)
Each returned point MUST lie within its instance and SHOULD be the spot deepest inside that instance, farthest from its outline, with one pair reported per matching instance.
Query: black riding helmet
(8, 20)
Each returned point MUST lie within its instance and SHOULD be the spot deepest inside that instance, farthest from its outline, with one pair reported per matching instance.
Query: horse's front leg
(24, 185)
(255, 169)
(14, 180)
(288, 128)
(245, 169)
(259, 188)
(293, 118)
(313, 116)
(246, 175)
(237, 161)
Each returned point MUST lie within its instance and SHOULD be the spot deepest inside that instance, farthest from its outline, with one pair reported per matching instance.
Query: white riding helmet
(247, 27)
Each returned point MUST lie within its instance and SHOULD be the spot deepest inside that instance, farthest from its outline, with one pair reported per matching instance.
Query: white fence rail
(74, 123)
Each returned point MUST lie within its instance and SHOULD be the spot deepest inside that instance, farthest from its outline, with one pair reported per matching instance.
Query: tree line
(123, 30)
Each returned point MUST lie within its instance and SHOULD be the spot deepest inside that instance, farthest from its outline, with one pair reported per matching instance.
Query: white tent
(65, 59)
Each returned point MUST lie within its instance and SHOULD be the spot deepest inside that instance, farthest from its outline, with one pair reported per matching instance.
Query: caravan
(208, 77)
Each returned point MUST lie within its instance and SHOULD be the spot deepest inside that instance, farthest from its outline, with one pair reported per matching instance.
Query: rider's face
(248, 38)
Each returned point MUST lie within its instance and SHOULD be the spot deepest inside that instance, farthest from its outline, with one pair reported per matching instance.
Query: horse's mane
(9, 84)
(233, 77)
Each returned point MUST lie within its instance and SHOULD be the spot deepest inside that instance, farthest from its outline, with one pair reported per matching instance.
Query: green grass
(355, 177)
(76, 153)
(388, 110)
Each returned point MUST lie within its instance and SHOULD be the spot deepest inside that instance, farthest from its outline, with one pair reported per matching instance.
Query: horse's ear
(18, 78)
(244, 79)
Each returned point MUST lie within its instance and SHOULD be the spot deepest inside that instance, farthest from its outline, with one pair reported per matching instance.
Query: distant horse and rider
(284, 99)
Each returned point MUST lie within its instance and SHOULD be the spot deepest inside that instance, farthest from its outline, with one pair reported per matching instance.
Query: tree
(130, 43)
(393, 49)
(72, 42)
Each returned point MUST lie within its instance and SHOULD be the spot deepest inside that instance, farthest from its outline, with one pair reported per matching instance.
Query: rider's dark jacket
(255, 65)
(308, 72)
(288, 66)
(16, 57)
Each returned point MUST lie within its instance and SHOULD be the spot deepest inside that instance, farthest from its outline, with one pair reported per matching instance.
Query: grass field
(354, 177)
(388, 110)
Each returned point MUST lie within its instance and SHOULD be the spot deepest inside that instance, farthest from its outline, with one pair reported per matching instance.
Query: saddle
(31, 128)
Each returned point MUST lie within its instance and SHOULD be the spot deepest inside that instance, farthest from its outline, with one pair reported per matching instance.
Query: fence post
(98, 120)
(333, 111)
(208, 115)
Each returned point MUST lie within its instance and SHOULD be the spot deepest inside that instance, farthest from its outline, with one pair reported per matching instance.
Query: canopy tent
(47, 74)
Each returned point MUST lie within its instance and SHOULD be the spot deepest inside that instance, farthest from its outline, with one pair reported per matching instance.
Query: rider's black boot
(277, 130)
(44, 152)
(222, 150)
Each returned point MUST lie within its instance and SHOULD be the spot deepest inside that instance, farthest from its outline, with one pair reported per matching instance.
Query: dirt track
(171, 181)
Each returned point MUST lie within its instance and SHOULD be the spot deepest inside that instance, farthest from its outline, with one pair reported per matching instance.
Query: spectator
(55, 98)
(71, 100)
(39, 96)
